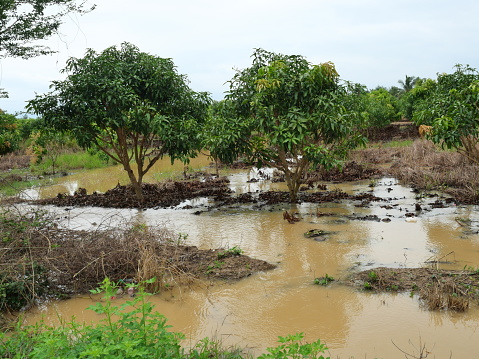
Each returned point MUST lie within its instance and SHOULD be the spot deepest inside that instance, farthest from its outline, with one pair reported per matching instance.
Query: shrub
(292, 347)
(138, 333)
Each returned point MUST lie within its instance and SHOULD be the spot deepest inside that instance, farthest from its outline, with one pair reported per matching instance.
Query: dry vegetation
(437, 289)
(425, 167)
(40, 260)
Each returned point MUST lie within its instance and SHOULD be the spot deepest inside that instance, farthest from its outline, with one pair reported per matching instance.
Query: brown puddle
(255, 311)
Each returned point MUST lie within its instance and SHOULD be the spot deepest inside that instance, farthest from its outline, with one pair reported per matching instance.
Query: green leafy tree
(225, 136)
(23, 22)
(451, 106)
(297, 114)
(129, 104)
(382, 108)
(409, 101)
(9, 134)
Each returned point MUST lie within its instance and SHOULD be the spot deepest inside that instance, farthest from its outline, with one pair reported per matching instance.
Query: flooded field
(255, 311)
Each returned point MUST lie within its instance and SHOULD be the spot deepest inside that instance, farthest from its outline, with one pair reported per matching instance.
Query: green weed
(367, 286)
(373, 276)
(324, 280)
(234, 251)
(216, 265)
(131, 330)
(291, 347)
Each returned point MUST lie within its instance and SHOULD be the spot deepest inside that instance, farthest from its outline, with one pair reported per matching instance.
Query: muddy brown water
(255, 311)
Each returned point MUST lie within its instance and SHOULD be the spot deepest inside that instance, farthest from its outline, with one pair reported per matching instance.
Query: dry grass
(426, 167)
(39, 259)
(440, 295)
(437, 289)
(14, 160)
(58, 262)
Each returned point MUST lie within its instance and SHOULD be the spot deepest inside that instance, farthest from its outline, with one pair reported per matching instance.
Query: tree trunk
(136, 183)
(471, 149)
(293, 182)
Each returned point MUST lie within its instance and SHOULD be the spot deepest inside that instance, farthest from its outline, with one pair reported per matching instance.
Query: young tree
(129, 104)
(451, 106)
(297, 114)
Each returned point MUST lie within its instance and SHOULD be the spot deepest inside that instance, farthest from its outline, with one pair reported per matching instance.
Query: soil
(166, 194)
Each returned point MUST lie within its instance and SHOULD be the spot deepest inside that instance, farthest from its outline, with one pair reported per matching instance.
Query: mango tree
(224, 135)
(298, 114)
(382, 108)
(451, 106)
(129, 104)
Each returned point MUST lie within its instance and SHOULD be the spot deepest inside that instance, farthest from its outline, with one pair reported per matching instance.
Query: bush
(138, 333)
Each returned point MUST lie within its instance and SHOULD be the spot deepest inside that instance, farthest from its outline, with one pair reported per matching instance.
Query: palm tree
(408, 83)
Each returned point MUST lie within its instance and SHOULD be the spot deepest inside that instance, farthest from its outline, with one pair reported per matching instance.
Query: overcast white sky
(372, 42)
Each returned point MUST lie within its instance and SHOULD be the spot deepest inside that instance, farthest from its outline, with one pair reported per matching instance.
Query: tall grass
(71, 161)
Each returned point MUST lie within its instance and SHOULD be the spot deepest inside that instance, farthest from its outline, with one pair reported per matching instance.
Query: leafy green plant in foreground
(292, 347)
(139, 332)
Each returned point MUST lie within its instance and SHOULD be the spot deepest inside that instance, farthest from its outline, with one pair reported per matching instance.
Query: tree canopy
(450, 105)
(9, 134)
(297, 114)
(25, 21)
(130, 104)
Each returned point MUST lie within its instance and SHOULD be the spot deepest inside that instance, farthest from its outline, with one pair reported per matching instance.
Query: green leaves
(129, 104)
(451, 106)
(292, 347)
(26, 21)
(298, 114)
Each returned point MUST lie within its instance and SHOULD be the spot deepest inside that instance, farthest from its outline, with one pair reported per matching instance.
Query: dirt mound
(54, 262)
(351, 171)
(394, 131)
(437, 289)
(172, 193)
(167, 194)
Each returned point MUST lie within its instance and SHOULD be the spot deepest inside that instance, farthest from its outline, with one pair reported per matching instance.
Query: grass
(70, 161)
(19, 174)
(392, 144)
(424, 166)
(13, 187)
